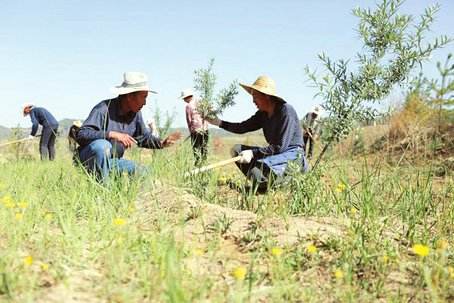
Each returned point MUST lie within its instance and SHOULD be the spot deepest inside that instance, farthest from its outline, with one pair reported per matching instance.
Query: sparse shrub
(391, 51)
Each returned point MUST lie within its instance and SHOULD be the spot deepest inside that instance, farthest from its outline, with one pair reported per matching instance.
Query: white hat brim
(120, 90)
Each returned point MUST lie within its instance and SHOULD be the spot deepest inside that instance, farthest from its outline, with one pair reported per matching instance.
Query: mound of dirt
(198, 219)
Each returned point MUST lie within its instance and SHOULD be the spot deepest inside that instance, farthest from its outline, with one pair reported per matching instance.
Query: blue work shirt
(106, 116)
(282, 132)
(40, 115)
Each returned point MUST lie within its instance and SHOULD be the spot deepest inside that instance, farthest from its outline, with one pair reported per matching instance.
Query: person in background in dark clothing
(115, 125)
(280, 125)
(40, 115)
(198, 128)
(311, 127)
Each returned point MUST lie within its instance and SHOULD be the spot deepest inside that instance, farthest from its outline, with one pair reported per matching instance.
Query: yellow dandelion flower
(311, 248)
(451, 272)
(353, 211)
(239, 273)
(198, 252)
(44, 266)
(222, 180)
(119, 221)
(277, 251)
(340, 187)
(19, 216)
(339, 274)
(442, 244)
(421, 250)
(48, 216)
(131, 208)
(8, 201)
(28, 260)
(22, 204)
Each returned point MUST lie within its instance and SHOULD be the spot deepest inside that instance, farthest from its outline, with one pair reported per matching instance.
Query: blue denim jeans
(97, 158)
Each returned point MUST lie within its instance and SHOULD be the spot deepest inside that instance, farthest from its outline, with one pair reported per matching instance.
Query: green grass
(136, 239)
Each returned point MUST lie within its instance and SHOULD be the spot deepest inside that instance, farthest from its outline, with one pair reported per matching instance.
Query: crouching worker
(115, 125)
(280, 125)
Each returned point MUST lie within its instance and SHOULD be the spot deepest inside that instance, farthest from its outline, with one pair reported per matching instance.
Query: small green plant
(222, 224)
(163, 121)
(195, 211)
(210, 105)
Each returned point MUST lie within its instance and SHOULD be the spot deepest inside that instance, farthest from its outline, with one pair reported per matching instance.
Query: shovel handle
(211, 166)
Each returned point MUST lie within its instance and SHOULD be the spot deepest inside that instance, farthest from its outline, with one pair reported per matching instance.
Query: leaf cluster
(393, 44)
(211, 104)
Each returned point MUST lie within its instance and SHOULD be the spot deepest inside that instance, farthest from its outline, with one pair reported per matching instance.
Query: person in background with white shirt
(198, 128)
(311, 127)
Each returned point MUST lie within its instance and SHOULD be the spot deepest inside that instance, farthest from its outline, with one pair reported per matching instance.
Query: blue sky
(66, 55)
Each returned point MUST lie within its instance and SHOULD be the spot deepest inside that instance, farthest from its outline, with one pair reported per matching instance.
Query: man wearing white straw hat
(280, 125)
(41, 116)
(115, 125)
(311, 127)
(197, 126)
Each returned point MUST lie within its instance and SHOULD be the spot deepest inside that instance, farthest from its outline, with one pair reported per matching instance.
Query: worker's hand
(30, 137)
(171, 139)
(213, 121)
(246, 156)
(123, 138)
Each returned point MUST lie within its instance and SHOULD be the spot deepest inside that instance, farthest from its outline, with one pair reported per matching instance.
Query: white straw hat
(186, 93)
(265, 85)
(317, 109)
(133, 82)
(26, 105)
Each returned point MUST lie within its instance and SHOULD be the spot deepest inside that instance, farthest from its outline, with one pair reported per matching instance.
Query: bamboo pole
(16, 141)
(211, 166)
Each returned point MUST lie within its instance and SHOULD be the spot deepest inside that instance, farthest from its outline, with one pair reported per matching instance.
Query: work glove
(30, 137)
(246, 156)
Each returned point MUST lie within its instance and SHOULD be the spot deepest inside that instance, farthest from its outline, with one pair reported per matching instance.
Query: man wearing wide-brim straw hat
(280, 125)
(115, 125)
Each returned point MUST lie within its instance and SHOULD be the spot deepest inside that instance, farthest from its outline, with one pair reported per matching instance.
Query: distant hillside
(65, 124)
(5, 132)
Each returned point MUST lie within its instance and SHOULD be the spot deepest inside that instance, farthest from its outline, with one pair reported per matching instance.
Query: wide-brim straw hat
(265, 85)
(133, 82)
(186, 93)
(77, 123)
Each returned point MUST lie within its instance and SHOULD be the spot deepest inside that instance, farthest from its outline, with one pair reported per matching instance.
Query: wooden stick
(211, 166)
(17, 141)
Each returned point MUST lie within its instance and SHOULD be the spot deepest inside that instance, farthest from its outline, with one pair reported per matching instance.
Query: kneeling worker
(115, 125)
(280, 125)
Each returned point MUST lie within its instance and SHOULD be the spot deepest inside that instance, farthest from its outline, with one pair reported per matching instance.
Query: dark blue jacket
(282, 132)
(106, 116)
(40, 115)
